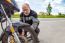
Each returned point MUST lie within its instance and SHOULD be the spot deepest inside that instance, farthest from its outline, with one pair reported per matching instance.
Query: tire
(27, 28)
(32, 32)
(5, 38)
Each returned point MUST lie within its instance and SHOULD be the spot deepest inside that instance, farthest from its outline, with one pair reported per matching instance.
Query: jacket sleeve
(35, 21)
(35, 18)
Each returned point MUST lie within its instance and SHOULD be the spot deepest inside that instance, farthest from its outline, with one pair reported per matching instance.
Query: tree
(49, 9)
(60, 13)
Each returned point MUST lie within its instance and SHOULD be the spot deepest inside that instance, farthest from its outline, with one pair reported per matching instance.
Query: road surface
(52, 30)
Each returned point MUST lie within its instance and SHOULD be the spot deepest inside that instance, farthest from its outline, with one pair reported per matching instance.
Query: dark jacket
(30, 19)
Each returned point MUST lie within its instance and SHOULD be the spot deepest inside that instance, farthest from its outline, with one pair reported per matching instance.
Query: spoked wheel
(30, 35)
(8, 39)
(11, 39)
(4, 38)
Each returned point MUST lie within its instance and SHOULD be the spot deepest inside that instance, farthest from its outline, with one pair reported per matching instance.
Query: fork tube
(11, 27)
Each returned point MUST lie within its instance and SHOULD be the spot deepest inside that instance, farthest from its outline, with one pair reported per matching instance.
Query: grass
(16, 16)
(51, 16)
(41, 16)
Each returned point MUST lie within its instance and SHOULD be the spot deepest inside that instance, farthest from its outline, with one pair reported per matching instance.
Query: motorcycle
(11, 35)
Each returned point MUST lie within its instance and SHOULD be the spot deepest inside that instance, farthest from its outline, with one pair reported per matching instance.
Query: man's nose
(24, 11)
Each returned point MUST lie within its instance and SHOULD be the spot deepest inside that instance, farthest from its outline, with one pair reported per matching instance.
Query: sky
(41, 5)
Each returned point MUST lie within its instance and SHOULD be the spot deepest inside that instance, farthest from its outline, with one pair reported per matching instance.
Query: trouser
(37, 30)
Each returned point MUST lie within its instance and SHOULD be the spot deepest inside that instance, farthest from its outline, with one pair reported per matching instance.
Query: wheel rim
(11, 39)
(28, 38)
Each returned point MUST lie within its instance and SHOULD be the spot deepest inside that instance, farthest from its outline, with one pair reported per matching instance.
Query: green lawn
(16, 16)
(42, 16)
(51, 16)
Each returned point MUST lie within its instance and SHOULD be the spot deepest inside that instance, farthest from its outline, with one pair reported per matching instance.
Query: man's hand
(34, 26)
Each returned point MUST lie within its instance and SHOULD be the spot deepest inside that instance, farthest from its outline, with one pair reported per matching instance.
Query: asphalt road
(52, 30)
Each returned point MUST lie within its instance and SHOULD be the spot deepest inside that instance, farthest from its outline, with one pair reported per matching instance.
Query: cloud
(57, 1)
(41, 5)
(58, 6)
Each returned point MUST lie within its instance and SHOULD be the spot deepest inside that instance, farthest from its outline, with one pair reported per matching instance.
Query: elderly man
(29, 16)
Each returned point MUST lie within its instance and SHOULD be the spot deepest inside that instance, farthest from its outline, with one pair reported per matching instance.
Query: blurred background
(51, 14)
(45, 8)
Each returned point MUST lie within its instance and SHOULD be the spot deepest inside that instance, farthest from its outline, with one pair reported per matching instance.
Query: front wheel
(30, 37)
(8, 39)
(30, 34)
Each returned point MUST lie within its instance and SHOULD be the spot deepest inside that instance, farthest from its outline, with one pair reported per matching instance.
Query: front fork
(14, 34)
(11, 27)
